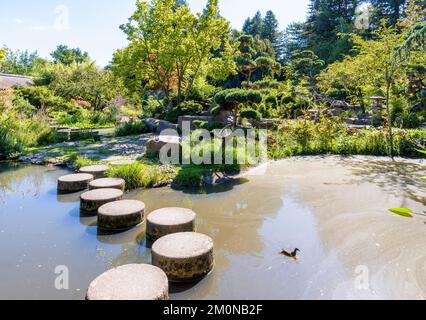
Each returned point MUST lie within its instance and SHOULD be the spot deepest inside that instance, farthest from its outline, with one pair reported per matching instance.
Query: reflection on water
(334, 210)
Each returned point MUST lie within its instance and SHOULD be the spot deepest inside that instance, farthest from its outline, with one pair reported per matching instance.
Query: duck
(292, 255)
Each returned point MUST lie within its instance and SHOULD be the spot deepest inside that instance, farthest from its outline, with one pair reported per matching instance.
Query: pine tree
(270, 28)
(254, 25)
(326, 20)
(391, 10)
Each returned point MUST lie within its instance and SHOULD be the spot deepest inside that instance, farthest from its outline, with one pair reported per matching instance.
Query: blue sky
(92, 25)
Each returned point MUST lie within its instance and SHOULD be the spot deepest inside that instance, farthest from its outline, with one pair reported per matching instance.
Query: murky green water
(334, 210)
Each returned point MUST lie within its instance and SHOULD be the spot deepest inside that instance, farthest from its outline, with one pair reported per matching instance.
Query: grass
(143, 174)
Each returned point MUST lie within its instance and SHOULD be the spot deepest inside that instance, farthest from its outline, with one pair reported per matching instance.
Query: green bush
(304, 137)
(251, 114)
(187, 108)
(131, 128)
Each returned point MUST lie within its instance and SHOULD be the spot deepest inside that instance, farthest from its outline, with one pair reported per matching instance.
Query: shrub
(187, 108)
(131, 128)
(304, 137)
(251, 114)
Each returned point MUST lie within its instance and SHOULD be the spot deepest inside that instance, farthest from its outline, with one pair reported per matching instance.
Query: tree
(270, 30)
(234, 99)
(347, 75)
(254, 25)
(170, 47)
(305, 66)
(390, 10)
(83, 82)
(254, 55)
(68, 56)
(2, 56)
(291, 40)
(327, 20)
(21, 62)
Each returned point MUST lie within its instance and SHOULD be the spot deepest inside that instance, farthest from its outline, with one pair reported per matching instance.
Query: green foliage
(234, 97)
(18, 130)
(95, 88)
(170, 48)
(81, 162)
(21, 62)
(210, 126)
(131, 128)
(187, 108)
(251, 114)
(256, 58)
(303, 137)
(142, 174)
(69, 56)
(327, 20)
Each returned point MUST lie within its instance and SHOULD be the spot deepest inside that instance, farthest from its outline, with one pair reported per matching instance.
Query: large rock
(166, 221)
(74, 182)
(108, 183)
(98, 171)
(152, 124)
(130, 282)
(184, 257)
(91, 201)
(156, 144)
(120, 215)
(166, 125)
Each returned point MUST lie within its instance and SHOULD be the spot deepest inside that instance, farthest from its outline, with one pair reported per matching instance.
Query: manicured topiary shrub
(234, 99)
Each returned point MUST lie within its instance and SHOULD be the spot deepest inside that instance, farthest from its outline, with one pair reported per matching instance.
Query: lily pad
(404, 212)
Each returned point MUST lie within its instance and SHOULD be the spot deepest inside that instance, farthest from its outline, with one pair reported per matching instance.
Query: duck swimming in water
(292, 255)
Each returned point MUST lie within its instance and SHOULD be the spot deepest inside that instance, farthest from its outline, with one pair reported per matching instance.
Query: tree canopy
(67, 56)
(170, 48)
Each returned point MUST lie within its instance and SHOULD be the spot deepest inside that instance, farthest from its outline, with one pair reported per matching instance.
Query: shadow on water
(85, 219)
(176, 287)
(214, 189)
(132, 235)
(397, 177)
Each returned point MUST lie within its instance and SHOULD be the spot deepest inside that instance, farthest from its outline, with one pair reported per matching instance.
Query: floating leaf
(421, 151)
(404, 212)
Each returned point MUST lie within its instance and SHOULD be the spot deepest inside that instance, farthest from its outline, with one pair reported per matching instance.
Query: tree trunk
(388, 85)
(361, 101)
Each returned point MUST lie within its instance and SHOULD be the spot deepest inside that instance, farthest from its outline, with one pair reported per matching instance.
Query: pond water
(333, 209)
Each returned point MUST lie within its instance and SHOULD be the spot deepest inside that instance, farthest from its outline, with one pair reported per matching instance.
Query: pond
(335, 210)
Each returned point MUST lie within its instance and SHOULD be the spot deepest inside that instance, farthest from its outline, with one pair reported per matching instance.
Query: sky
(93, 25)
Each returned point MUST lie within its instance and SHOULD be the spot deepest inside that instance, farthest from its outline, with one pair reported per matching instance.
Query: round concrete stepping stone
(130, 282)
(166, 221)
(74, 182)
(91, 201)
(107, 183)
(121, 215)
(98, 171)
(184, 257)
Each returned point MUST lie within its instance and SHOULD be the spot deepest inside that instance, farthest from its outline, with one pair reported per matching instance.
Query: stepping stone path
(74, 182)
(170, 220)
(184, 257)
(108, 183)
(130, 282)
(97, 171)
(121, 215)
(91, 201)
